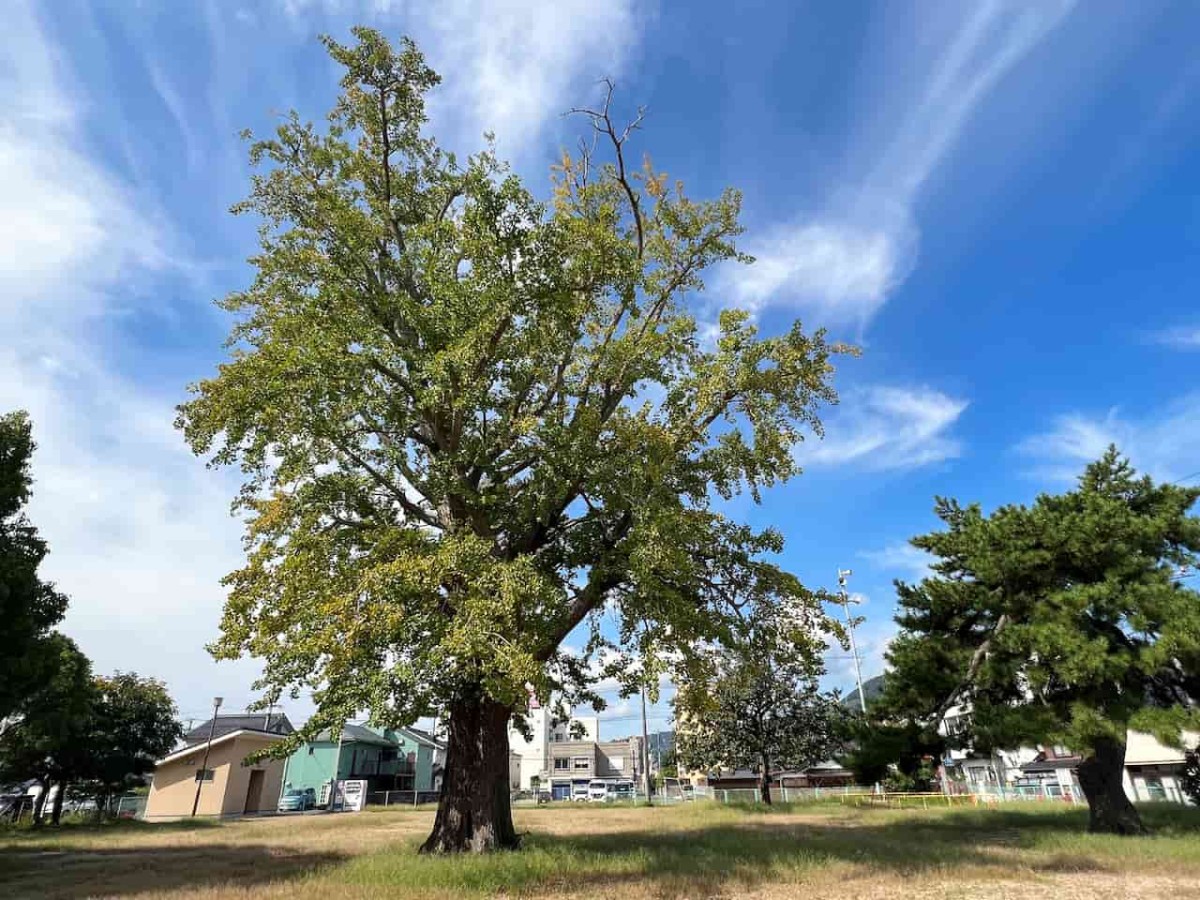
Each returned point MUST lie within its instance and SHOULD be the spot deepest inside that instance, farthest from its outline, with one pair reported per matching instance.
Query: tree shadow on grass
(709, 859)
(72, 874)
(51, 835)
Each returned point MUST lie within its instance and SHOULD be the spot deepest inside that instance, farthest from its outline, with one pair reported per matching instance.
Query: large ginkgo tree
(472, 422)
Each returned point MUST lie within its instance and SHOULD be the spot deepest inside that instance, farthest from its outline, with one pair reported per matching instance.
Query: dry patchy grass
(692, 851)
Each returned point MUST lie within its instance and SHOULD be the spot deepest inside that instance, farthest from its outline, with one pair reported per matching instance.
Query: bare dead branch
(602, 122)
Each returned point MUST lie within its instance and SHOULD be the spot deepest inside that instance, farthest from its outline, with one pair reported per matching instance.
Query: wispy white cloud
(510, 68)
(1164, 442)
(1181, 337)
(902, 561)
(62, 220)
(515, 67)
(139, 532)
(838, 270)
(884, 428)
(841, 261)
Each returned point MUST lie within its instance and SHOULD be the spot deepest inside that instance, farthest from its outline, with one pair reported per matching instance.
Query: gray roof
(423, 735)
(830, 765)
(277, 724)
(1049, 765)
(357, 734)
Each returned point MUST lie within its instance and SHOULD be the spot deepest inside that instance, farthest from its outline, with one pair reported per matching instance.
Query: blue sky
(999, 201)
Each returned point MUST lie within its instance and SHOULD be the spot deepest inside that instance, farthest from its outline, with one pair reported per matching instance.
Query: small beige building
(1154, 771)
(230, 786)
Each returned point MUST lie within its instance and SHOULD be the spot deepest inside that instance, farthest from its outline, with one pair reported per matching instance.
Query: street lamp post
(843, 575)
(203, 773)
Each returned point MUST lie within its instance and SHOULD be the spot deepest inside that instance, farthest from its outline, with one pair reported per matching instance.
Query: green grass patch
(711, 845)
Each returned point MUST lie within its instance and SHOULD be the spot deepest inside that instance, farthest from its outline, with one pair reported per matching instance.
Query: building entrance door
(254, 791)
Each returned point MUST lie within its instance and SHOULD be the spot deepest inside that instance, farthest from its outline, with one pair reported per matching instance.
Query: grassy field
(691, 851)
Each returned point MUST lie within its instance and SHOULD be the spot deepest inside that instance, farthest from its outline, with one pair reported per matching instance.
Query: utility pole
(337, 764)
(843, 576)
(645, 748)
(204, 765)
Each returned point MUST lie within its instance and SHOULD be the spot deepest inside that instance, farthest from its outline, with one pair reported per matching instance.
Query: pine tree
(1064, 622)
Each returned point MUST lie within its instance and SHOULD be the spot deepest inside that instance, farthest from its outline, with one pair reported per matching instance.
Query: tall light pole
(207, 747)
(843, 577)
(645, 749)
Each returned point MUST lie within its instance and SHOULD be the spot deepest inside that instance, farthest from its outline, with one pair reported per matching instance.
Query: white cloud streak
(508, 67)
(884, 428)
(1164, 443)
(1180, 337)
(903, 561)
(139, 532)
(841, 262)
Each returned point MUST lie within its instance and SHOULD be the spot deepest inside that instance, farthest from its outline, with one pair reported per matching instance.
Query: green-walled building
(401, 759)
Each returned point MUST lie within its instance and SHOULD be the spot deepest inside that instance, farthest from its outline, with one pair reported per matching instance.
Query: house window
(582, 764)
(562, 764)
(617, 762)
(204, 774)
(558, 737)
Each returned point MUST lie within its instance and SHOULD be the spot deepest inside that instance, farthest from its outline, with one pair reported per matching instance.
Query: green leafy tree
(876, 751)
(29, 606)
(668, 767)
(133, 723)
(1063, 622)
(96, 736)
(754, 702)
(469, 420)
(49, 741)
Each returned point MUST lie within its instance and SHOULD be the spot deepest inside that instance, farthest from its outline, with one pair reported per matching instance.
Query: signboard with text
(351, 795)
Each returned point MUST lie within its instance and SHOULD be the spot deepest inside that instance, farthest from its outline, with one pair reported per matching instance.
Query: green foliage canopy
(29, 606)
(469, 419)
(755, 702)
(1063, 622)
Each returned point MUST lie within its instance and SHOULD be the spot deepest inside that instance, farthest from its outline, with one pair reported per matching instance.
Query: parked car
(598, 791)
(621, 790)
(297, 800)
(580, 792)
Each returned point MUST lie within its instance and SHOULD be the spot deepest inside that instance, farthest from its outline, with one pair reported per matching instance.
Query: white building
(534, 751)
(1152, 770)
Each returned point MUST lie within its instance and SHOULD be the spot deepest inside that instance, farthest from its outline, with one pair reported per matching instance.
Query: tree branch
(602, 122)
(977, 659)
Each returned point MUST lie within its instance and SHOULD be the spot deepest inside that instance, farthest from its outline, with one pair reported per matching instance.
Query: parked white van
(598, 791)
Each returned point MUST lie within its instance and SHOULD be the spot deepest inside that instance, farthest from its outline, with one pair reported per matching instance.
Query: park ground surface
(688, 851)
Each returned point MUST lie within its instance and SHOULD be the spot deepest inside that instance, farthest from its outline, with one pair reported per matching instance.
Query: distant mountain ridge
(872, 689)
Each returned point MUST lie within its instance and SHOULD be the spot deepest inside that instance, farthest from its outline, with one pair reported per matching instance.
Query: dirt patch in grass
(691, 851)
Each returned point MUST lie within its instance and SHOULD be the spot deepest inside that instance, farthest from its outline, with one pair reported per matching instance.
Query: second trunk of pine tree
(1101, 778)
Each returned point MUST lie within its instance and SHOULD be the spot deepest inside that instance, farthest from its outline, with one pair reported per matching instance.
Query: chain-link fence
(401, 798)
(131, 806)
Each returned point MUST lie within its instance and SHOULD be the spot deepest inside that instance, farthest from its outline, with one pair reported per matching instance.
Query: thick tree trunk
(1100, 776)
(474, 810)
(56, 810)
(765, 782)
(39, 803)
